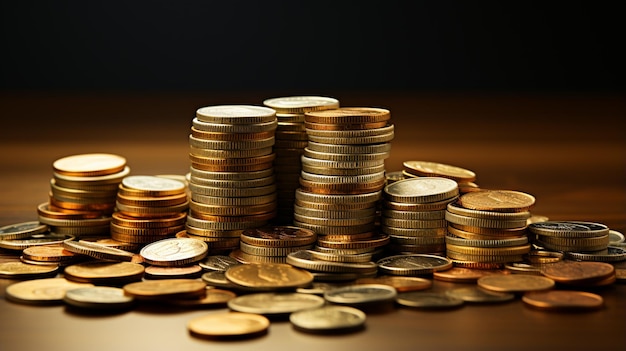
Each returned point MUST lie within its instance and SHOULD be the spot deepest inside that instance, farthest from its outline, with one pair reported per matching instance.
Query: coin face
(429, 169)
(497, 200)
(218, 263)
(41, 291)
(98, 297)
(421, 190)
(104, 270)
(361, 294)
(570, 272)
(274, 303)
(476, 294)
(231, 324)
(328, 318)
(563, 300)
(515, 283)
(153, 183)
(21, 230)
(86, 165)
(174, 251)
(413, 264)
(269, 276)
(428, 300)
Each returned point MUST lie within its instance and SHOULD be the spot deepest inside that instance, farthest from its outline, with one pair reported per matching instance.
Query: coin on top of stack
(272, 243)
(487, 228)
(149, 208)
(343, 173)
(291, 139)
(231, 178)
(82, 194)
(464, 177)
(414, 214)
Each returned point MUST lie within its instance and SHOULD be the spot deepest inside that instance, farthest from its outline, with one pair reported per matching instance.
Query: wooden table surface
(567, 150)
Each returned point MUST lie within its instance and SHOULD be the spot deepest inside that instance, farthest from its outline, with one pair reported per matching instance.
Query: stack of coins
(414, 214)
(272, 243)
(487, 229)
(343, 173)
(149, 208)
(570, 236)
(464, 177)
(231, 178)
(291, 139)
(82, 194)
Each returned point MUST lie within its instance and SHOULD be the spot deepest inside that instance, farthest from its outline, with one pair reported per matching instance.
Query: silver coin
(152, 183)
(610, 254)
(218, 263)
(328, 318)
(428, 300)
(416, 264)
(275, 303)
(476, 294)
(174, 252)
(98, 297)
(21, 230)
(361, 294)
(616, 237)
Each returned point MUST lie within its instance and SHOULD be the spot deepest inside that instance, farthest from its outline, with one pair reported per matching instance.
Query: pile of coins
(487, 229)
(272, 243)
(414, 214)
(149, 208)
(575, 238)
(464, 177)
(291, 139)
(231, 178)
(343, 173)
(82, 195)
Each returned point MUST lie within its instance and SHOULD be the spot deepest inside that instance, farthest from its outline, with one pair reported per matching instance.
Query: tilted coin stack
(82, 194)
(272, 243)
(231, 178)
(487, 229)
(149, 208)
(414, 214)
(291, 139)
(464, 177)
(343, 173)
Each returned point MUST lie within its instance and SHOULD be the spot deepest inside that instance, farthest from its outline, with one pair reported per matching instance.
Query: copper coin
(401, 284)
(497, 200)
(571, 272)
(166, 289)
(464, 275)
(213, 298)
(278, 236)
(515, 283)
(559, 300)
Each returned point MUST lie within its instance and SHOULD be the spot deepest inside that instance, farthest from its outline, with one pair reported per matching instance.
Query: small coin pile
(464, 177)
(148, 208)
(291, 139)
(584, 241)
(231, 178)
(487, 228)
(272, 243)
(414, 214)
(82, 194)
(343, 173)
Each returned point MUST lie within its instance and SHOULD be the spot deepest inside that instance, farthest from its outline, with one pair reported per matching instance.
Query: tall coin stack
(343, 173)
(487, 228)
(291, 139)
(82, 194)
(231, 178)
(149, 208)
(414, 214)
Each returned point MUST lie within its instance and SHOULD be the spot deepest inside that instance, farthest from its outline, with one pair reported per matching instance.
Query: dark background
(311, 46)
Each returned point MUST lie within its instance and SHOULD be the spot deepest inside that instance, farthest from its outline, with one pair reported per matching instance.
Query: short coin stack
(82, 194)
(343, 173)
(487, 228)
(291, 139)
(570, 237)
(149, 208)
(414, 214)
(231, 179)
(464, 177)
(272, 243)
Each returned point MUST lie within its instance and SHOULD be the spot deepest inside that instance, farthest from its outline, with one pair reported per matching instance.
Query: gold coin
(236, 114)
(515, 283)
(349, 149)
(201, 134)
(48, 253)
(41, 291)
(563, 300)
(48, 238)
(213, 298)
(486, 251)
(485, 222)
(435, 169)
(348, 115)
(401, 284)
(464, 275)
(301, 104)
(98, 251)
(352, 140)
(145, 201)
(344, 126)
(104, 272)
(123, 220)
(491, 215)
(268, 276)
(228, 325)
(21, 270)
(234, 128)
(353, 133)
(89, 165)
(166, 289)
(497, 200)
(182, 272)
(44, 210)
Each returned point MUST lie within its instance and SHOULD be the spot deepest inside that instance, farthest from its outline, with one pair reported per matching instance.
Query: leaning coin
(228, 325)
(416, 264)
(328, 319)
(166, 289)
(428, 300)
(218, 263)
(20, 270)
(274, 304)
(21, 230)
(563, 300)
(174, 252)
(46, 238)
(515, 283)
(97, 251)
(361, 294)
(475, 294)
(41, 291)
(98, 298)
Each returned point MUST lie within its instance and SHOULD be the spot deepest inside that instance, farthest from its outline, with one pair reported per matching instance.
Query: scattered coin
(428, 300)
(328, 319)
(464, 275)
(268, 276)
(214, 298)
(218, 263)
(475, 294)
(99, 273)
(274, 304)
(185, 272)
(574, 273)
(174, 252)
(563, 300)
(20, 270)
(515, 283)
(361, 294)
(401, 284)
(435, 169)
(228, 325)
(41, 291)
(98, 298)
(166, 289)
(22, 230)
(410, 265)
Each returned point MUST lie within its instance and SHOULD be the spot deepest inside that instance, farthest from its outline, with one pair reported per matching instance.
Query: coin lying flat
(563, 300)
(361, 294)
(97, 251)
(166, 289)
(421, 190)
(20, 270)
(570, 272)
(21, 230)
(89, 165)
(476, 294)
(156, 272)
(428, 300)
(104, 272)
(401, 284)
(275, 303)
(497, 200)
(464, 275)
(228, 325)
(515, 283)
(174, 252)
(413, 264)
(328, 318)
(98, 298)
(264, 276)
(213, 298)
(41, 291)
